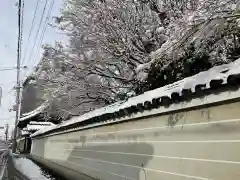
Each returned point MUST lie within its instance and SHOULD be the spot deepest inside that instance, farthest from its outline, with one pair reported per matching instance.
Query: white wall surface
(200, 144)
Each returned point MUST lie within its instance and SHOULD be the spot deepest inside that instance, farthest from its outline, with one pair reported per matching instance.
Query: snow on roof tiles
(41, 123)
(216, 76)
(33, 113)
(34, 127)
(24, 133)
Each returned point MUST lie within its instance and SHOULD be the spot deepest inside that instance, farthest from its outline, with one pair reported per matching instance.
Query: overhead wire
(44, 30)
(36, 36)
(8, 69)
(12, 68)
(37, 33)
(31, 29)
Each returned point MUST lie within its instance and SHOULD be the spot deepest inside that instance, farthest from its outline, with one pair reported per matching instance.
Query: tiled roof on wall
(214, 78)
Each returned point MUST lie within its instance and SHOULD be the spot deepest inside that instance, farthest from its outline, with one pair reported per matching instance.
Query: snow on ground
(29, 169)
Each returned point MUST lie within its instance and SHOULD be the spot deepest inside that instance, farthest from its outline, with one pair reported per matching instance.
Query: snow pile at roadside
(29, 169)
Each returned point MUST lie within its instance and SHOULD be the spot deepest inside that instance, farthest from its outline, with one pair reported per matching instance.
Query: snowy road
(14, 167)
(3, 158)
(7, 169)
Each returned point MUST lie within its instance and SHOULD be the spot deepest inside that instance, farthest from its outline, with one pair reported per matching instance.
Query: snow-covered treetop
(121, 48)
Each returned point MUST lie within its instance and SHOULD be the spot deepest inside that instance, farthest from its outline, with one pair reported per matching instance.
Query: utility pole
(6, 132)
(18, 75)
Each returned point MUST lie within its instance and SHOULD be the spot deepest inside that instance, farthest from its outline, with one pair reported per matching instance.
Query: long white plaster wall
(201, 144)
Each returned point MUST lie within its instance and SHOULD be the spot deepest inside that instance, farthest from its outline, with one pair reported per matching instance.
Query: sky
(8, 48)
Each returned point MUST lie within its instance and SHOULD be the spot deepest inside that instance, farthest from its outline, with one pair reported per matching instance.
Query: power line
(31, 29)
(8, 69)
(44, 30)
(35, 38)
(11, 68)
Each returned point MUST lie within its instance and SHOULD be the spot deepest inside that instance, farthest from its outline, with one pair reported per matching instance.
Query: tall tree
(116, 45)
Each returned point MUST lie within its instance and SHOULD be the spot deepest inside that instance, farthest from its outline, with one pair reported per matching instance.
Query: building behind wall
(31, 96)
